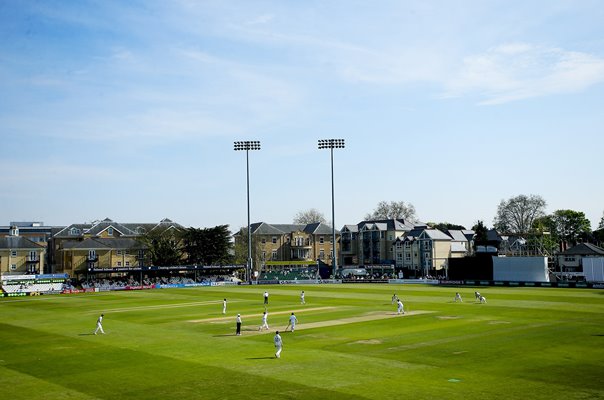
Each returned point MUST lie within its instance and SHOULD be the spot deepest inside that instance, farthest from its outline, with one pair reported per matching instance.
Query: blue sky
(129, 110)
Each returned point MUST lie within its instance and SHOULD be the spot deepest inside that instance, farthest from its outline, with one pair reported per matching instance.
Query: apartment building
(105, 244)
(21, 255)
(292, 242)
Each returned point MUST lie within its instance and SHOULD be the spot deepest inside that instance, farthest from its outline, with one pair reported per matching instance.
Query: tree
(209, 246)
(480, 234)
(570, 225)
(163, 247)
(445, 226)
(309, 217)
(517, 214)
(601, 225)
(392, 210)
(240, 249)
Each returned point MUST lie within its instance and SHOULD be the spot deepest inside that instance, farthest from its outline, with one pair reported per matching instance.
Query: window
(119, 263)
(91, 254)
(321, 239)
(274, 255)
(74, 232)
(119, 252)
(33, 256)
(569, 258)
(274, 239)
(13, 267)
(321, 254)
(263, 241)
(127, 263)
(110, 231)
(264, 255)
(13, 253)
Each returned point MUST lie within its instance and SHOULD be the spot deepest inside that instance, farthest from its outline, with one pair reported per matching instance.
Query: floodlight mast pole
(248, 145)
(332, 144)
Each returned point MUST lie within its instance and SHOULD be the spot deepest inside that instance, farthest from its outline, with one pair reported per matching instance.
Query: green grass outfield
(525, 343)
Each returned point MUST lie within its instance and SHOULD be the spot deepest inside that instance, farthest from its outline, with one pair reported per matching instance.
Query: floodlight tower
(248, 145)
(332, 144)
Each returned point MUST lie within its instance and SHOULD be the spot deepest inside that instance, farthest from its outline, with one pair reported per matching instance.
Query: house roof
(393, 224)
(584, 249)
(125, 229)
(318, 228)
(436, 234)
(457, 235)
(18, 242)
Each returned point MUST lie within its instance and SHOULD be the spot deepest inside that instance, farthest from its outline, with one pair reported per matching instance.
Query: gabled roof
(262, 228)
(435, 234)
(18, 242)
(350, 228)
(457, 235)
(584, 249)
(125, 229)
(386, 225)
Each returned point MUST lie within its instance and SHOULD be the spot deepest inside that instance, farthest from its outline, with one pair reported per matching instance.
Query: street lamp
(332, 144)
(248, 145)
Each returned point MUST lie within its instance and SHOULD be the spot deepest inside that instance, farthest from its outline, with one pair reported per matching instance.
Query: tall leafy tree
(310, 216)
(480, 234)
(517, 214)
(163, 247)
(208, 246)
(392, 210)
(240, 249)
(570, 225)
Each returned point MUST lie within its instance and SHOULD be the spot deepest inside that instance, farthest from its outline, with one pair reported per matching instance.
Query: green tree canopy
(208, 246)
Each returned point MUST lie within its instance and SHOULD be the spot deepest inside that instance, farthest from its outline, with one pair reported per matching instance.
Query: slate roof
(125, 229)
(457, 235)
(392, 224)
(18, 242)
(584, 249)
(262, 228)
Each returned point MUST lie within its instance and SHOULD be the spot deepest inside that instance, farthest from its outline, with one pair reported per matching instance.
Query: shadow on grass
(86, 334)
(261, 358)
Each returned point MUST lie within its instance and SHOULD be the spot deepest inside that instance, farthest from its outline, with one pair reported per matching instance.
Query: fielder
(399, 305)
(278, 344)
(394, 298)
(238, 321)
(458, 297)
(99, 324)
(477, 295)
(292, 322)
(224, 304)
(302, 301)
(265, 297)
(264, 322)
(482, 299)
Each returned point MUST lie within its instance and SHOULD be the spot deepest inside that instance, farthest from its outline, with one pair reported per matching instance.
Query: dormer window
(74, 232)
(110, 231)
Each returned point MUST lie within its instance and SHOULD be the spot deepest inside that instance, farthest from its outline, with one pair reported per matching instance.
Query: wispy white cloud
(518, 71)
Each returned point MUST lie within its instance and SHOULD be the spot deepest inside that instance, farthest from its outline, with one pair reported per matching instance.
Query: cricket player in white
(477, 295)
(482, 299)
(292, 322)
(302, 301)
(99, 325)
(238, 321)
(265, 297)
(224, 304)
(399, 305)
(278, 344)
(264, 322)
(458, 297)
